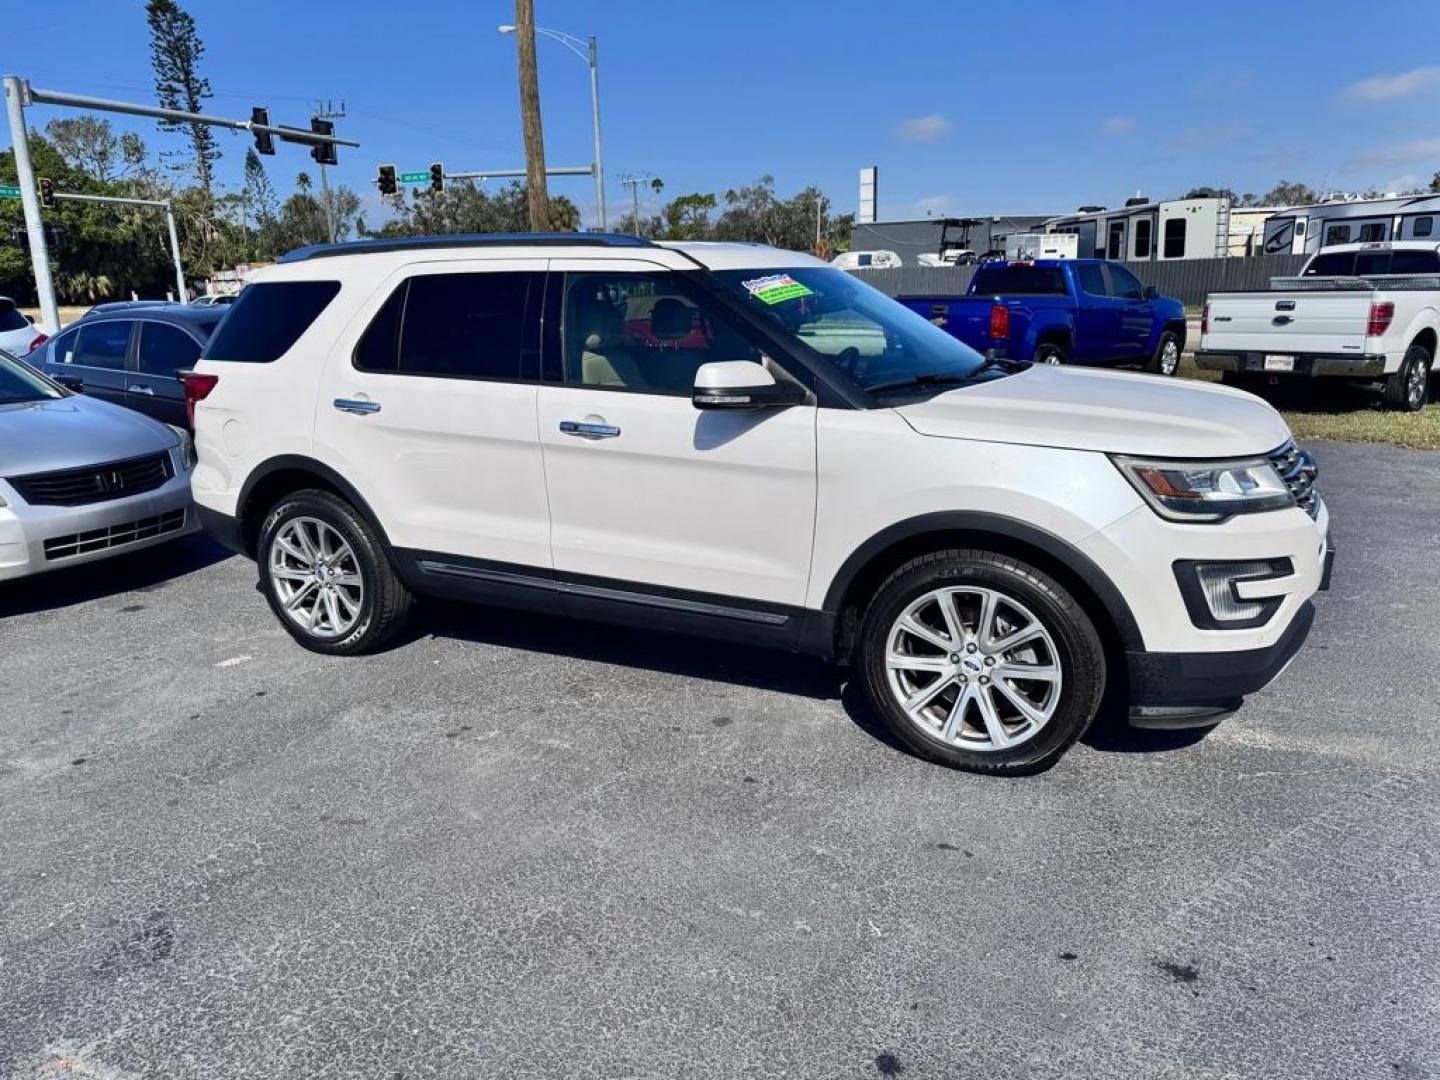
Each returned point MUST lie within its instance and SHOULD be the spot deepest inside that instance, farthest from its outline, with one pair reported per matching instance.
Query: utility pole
(633, 183)
(326, 111)
(539, 197)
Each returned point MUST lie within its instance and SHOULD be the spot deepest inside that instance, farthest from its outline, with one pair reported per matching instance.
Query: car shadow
(140, 571)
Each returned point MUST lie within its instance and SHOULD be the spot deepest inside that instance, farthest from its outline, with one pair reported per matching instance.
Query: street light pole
(16, 92)
(586, 50)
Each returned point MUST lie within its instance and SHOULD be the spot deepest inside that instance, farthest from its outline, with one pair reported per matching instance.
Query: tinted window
(19, 383)
(1415, 262)
(644, 332)
(164, 349)
(62, 348)
(1331, 264)
(269, 318)
(1422, 226)
(1126, 284)
(1142, 238)
(1175, 238)
(1369, 263)
(102, 344)
(457, 326)
(1337, 234)
(10, 319)
(1019, 279)
(1092, 278)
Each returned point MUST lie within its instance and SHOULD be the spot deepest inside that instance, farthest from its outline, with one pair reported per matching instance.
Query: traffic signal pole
(163, 204)
(15, 102)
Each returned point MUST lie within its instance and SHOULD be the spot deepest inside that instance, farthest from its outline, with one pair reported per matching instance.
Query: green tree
(175, 53)
(1289, 193)
(466, 207)
(87, 143)
(1435, 182)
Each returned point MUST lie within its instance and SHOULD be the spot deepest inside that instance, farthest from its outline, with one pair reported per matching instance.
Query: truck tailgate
(1288, 322)
(964, 317)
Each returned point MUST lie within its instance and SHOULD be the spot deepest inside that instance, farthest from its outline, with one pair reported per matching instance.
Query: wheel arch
(874, 560)
(1427, 338)
(279, 476)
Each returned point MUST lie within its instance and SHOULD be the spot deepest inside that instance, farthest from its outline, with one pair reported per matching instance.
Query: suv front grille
(130, 532)
(94, 483)
(1299, 471)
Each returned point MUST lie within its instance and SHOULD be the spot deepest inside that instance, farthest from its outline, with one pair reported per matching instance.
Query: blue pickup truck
(1062, 311)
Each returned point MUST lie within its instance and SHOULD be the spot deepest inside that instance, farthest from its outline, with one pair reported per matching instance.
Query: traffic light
(264, 141)
(47, 192)
(437, 177)
(323, 153)
(386, 181)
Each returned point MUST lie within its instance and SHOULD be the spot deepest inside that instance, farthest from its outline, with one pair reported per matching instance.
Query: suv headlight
(1206, 491)
(186, 450)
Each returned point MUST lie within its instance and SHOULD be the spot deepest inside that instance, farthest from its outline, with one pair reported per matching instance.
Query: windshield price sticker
(776, 288)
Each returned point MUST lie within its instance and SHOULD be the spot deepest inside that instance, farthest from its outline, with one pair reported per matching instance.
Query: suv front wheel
(324, 571)
(982, 662)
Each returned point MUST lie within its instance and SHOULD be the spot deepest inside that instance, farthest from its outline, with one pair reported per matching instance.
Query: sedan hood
(1105, 411)
(70, 432)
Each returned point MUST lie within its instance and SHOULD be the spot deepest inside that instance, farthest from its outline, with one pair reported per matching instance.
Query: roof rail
(422, 243)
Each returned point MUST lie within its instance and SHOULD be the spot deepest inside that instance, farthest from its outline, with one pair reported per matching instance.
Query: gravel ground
(519, 847)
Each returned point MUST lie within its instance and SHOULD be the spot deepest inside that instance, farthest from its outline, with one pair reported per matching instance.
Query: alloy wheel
(1415, 383)
(316, 577)
(1169, 357)
(974, 668)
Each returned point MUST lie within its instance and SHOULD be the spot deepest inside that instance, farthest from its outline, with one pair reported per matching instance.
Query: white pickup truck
(1369, 312)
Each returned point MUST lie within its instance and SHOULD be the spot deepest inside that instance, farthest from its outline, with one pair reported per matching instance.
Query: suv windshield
(868, 336)
(20, 383)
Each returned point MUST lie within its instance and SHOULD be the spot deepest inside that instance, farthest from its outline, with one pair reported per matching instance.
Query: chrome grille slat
(130, 532)
(1300, 472)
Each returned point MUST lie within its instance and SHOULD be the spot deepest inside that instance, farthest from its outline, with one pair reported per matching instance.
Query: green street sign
(14, 192)
(405, 178)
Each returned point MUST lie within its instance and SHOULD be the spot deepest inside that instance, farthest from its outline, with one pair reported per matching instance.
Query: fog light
(1214, 602)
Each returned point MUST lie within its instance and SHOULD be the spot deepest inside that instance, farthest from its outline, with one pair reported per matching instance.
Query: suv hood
(1104, 411)
(70, 432)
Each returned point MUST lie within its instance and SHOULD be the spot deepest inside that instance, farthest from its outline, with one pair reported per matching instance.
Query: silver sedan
(82, 479)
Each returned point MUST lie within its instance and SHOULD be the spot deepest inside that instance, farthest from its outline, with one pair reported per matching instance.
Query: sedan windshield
(876, 341)
(21, 383)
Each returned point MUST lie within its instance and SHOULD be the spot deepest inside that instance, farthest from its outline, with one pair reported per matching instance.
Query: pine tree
(175, 53)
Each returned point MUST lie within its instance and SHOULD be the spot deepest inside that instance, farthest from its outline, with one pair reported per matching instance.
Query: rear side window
(453, 326)
(103, 345)
(10, 319)
(1092, 278)
(1019, 279)
(268, 319)
(1415, 262)
(166, 349)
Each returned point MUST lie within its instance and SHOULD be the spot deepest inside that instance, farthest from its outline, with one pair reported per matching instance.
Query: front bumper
(1354, 365)
(36, 539)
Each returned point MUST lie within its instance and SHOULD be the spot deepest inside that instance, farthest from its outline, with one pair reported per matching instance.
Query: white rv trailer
(1027, 247)
(1304, 230)
(1143, 230)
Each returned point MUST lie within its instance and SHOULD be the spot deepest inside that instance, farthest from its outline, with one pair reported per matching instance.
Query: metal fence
(1190, 280)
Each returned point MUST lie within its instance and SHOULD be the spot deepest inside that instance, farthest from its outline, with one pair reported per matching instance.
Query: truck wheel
(1048, 352)
(1409, 388)
(981, 662)
(1167, 355)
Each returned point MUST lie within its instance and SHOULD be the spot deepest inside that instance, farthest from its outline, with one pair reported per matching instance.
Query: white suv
(745, 443)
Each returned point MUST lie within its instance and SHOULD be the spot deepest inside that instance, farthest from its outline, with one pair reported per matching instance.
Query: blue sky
(964, 107)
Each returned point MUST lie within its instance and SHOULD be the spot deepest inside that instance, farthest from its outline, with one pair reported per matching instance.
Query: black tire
(1079, 654)
(1409, 388)
(1166, 360)
(385, 602)
(1050, 352)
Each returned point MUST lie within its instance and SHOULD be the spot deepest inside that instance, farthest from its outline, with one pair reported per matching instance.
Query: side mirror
(1151, 292)
(73, 383)
(741, 384)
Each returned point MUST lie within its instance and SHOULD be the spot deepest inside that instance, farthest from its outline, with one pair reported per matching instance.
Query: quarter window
(166, 349)
(1175, 238)
(643, 332)
(452, 326)
(102, 345)
(267, 319)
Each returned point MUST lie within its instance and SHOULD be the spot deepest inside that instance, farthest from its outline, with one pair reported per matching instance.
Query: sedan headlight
(186, 450)
(1207, 491)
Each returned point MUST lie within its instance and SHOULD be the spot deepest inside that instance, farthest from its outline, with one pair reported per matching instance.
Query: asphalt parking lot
(518, 847)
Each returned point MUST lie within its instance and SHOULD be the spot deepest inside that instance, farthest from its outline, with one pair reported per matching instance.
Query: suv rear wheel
(981, 662)
(326, 576)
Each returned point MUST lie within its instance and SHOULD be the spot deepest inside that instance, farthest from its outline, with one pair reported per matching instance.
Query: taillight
(999, 321)
(1205, 318)
(1381, 316)
(197, 388)
(40, 339)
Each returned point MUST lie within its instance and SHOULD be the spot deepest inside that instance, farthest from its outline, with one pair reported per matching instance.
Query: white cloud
(1117, 125)
(923, 129)
(1404, 153)
(1384, 87)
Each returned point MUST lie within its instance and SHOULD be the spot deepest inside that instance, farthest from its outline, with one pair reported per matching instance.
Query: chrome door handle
(588, 431)
(359, 408)
(138, 389)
